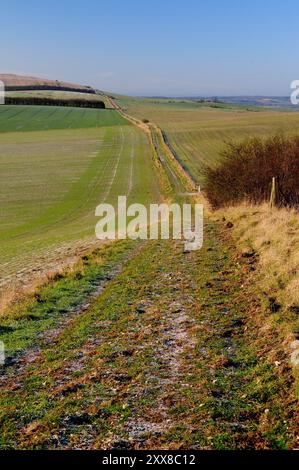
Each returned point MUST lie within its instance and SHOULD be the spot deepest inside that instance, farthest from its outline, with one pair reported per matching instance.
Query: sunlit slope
(34, 118)
(26, 82)
(51, 182)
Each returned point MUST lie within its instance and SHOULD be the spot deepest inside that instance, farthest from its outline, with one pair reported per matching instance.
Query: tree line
(47, 101)
(49, 88)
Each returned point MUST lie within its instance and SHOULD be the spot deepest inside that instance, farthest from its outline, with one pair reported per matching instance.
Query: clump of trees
(248, 168)
(47, 101)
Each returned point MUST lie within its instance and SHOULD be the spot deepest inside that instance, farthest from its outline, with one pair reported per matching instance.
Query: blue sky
(155, 47)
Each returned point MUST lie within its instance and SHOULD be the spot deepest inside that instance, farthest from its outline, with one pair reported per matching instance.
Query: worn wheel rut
(167, 356)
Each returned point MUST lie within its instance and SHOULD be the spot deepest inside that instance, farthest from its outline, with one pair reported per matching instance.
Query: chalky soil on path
(167, 355)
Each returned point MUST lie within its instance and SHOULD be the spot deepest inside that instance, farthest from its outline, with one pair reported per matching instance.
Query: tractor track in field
(130, 182)
(110, 184)
(75, 213)
(56, 258)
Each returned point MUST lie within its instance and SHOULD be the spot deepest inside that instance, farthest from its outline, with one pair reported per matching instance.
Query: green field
(198, 132)
(36, 118)
(52, 180)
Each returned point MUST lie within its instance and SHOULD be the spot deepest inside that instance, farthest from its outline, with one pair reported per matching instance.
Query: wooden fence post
(274, 195)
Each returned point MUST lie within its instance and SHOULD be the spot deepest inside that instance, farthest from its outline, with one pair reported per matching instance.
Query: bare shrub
(247, 168)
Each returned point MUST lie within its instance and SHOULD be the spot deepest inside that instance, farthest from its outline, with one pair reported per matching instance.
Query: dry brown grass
(274, 234)
(14, 293)
(17, 289)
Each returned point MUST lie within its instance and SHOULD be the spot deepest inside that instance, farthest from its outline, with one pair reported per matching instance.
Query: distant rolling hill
(27, 90)
(19, 82)
(261, 101)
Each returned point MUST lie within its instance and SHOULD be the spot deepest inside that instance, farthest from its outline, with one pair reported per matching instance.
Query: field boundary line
(181, 173)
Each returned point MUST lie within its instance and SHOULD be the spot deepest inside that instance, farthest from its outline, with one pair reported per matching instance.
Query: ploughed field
(198, 131)
(56, 165)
